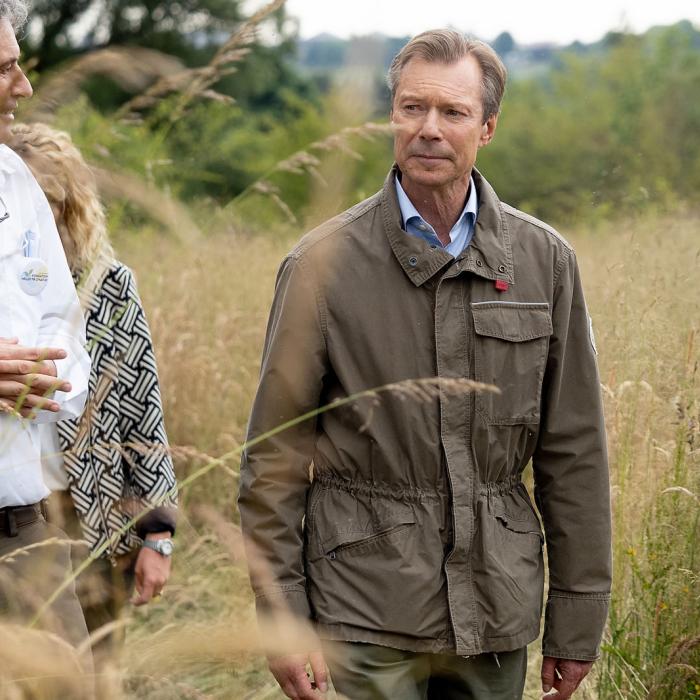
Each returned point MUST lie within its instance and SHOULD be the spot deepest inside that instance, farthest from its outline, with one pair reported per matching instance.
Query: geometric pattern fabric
(116, 454)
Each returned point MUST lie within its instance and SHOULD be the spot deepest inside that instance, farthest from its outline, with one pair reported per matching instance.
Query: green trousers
(371, 672)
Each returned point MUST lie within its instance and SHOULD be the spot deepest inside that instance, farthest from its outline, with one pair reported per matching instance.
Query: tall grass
(207, 305)
(645, 299)
(207, 299)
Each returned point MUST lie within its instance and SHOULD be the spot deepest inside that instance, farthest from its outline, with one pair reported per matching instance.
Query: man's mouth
(429, 156)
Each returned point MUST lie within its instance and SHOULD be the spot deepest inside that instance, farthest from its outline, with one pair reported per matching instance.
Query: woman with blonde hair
(113, 463)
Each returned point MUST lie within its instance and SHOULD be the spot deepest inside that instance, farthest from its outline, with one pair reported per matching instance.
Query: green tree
(176, 27)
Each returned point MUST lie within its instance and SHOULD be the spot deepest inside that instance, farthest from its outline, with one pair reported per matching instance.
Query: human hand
(152, 572)
(290, 672)
(28, 377)
(562, 675)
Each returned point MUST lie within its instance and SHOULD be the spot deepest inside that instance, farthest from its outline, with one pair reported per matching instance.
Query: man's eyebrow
(451, 101)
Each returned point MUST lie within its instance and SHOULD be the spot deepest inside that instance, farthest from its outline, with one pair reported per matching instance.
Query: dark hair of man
(448, 46)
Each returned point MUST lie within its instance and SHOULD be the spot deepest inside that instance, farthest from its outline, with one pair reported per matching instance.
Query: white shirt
(52, 318)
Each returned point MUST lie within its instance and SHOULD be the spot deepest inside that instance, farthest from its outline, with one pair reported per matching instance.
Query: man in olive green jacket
(411, 544)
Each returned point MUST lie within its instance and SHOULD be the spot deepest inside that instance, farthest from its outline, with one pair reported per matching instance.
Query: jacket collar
(488, 255)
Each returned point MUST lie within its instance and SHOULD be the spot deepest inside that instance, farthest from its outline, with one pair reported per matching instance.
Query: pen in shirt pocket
(31, 244)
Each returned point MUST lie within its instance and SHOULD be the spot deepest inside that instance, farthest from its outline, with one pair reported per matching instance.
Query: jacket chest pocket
(510, 351)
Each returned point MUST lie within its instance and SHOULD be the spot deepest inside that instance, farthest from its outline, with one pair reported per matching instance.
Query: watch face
(166, 548)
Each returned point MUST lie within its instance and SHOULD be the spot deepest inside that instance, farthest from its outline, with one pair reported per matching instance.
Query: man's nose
(430, 127)
(22, 87)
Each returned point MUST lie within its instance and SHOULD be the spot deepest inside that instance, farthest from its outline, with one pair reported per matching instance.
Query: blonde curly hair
(70, 187)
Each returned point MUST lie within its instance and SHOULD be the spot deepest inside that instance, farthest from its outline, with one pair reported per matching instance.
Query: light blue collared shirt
(461, 233)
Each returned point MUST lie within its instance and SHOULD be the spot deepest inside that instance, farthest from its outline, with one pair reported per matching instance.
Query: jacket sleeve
(146, 452)
(275, 471)
(571, 479)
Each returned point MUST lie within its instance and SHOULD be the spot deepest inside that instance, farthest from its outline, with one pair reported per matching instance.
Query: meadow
(204, 199)
(207, 304)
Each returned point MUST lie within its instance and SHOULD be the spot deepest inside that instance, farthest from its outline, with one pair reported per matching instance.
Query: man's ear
(488, 129)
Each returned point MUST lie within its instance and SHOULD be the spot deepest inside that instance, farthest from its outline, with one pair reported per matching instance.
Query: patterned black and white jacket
(116, 455)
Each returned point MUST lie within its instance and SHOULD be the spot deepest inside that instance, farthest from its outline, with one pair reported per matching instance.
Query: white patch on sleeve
(591, 335)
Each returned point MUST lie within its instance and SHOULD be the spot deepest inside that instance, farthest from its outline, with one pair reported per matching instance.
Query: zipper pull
(332, 555)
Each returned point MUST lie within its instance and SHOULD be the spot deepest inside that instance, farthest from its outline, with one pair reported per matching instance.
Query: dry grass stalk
(132, 68)
(306, 161)
(23, 551)
(179, 82)
(38, 665)
(196, 82)
(165, 209)
(273, 192)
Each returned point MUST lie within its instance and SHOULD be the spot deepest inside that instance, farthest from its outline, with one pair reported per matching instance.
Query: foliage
(165, 25)
(604, 135)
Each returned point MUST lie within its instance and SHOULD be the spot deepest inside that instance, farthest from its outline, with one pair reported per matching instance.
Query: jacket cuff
(292, 600)
(159, 519)
(574, 624)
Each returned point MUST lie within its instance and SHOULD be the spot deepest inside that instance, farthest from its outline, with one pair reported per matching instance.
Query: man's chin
(426, 177)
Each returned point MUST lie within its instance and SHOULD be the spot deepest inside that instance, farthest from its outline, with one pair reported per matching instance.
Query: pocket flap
(512, 321)
(338, 538)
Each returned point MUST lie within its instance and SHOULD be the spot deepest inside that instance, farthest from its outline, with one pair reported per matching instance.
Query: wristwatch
(164, 546)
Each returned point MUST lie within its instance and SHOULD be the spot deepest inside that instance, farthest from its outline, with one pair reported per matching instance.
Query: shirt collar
(490, 243)
(408, 211)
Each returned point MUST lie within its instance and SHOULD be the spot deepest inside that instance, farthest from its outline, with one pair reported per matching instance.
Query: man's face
(13, 82)
(438, 122)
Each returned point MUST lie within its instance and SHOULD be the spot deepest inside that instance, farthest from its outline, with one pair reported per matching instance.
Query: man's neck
(440, 208)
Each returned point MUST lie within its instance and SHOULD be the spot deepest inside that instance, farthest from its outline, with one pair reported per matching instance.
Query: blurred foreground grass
(208, 302)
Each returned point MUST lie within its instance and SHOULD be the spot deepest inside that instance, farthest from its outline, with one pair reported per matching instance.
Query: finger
(32, 402)
(12, 366)
(21, 352)
(548, 665)
(288, 689)
(319, 670)
(144, 590)
(302, 685)
(283, 674)
(565, 688)
(11, 387)
(20, 365)
(40, 384)
(7, 407)
(10, 408)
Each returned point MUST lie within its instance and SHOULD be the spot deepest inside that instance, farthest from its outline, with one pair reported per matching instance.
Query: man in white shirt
(44, 370)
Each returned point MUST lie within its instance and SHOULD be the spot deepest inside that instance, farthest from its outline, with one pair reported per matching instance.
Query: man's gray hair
(15, 12)
(449, 46)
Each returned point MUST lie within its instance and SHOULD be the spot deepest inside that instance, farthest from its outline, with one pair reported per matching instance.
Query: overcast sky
(558, 21)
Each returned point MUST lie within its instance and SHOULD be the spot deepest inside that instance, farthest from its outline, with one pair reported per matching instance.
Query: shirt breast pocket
(510, 351)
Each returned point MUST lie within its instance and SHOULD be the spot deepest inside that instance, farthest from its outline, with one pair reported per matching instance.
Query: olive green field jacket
(402, 520)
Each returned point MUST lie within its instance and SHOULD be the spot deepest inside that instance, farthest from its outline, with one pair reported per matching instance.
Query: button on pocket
(510, 352)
